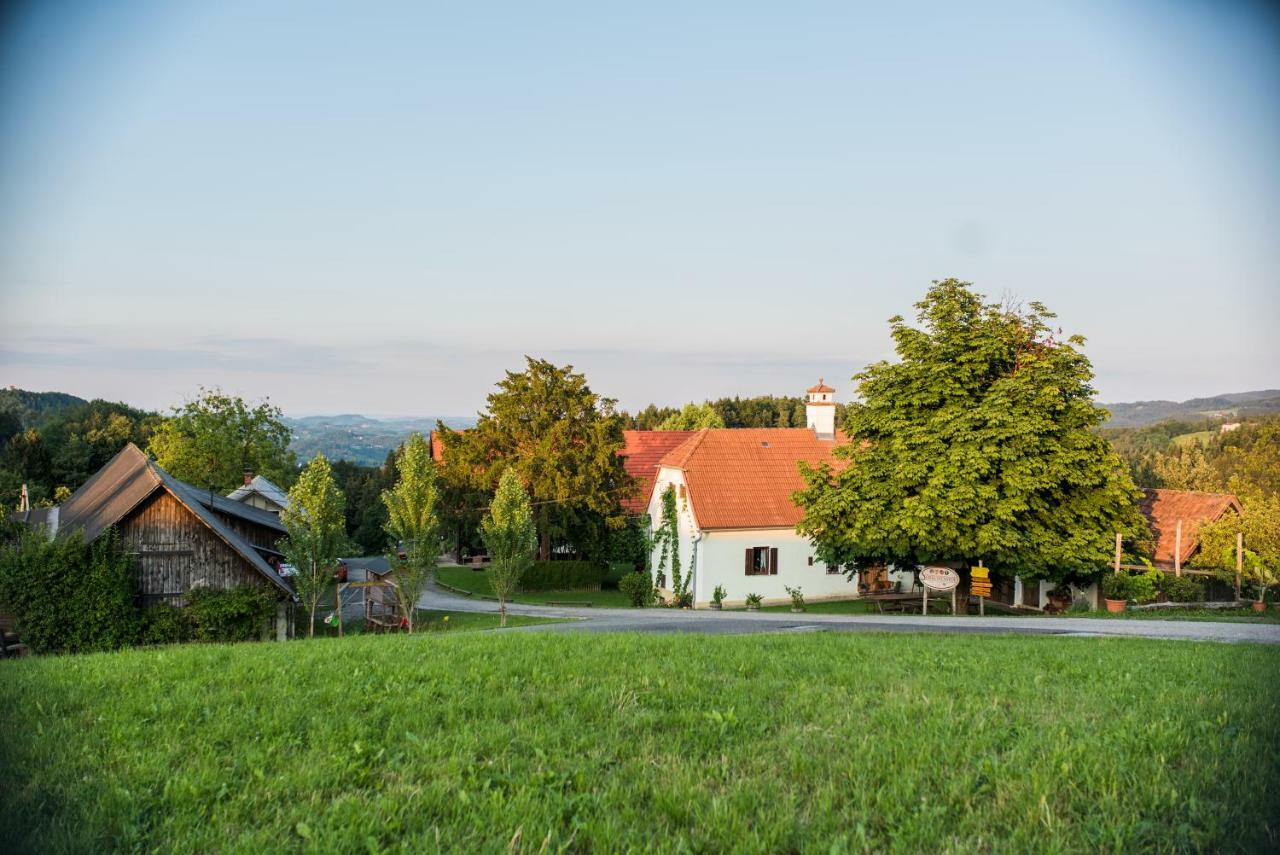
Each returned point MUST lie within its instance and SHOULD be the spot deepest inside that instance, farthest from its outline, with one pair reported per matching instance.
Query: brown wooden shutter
(773, 561)
(749, 561)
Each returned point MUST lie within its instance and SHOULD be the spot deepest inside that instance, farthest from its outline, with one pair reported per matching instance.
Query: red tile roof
(642, 453)
(437, 447)
(744, 477)
(1164, 508)
(821, 387)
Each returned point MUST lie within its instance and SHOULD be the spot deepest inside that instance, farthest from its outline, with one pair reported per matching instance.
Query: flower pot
(1115, 606)
(715, 606)
(1259, 606)
(753, 608)
(796, 609)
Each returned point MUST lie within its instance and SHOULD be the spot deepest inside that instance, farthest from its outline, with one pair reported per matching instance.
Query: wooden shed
(184, 537)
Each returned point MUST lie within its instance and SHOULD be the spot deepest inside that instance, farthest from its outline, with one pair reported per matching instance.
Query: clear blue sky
(378, 207)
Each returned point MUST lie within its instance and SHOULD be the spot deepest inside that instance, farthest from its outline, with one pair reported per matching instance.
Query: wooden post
(1119, 543)
(924, 601)
(953, 602)
(1177, 550)
(1239, 561)
(337, 596)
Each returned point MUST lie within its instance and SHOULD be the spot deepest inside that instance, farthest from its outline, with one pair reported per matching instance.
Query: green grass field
(520, 742)
(477, 582)
(1199, 437)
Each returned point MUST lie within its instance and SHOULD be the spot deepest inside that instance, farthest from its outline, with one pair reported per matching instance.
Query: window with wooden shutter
(773, 561)
(751, 560)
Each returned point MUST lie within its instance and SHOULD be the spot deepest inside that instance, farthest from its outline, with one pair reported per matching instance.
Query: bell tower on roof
(820, 410)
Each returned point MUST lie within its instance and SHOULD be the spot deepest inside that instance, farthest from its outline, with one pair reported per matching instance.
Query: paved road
(708, 621)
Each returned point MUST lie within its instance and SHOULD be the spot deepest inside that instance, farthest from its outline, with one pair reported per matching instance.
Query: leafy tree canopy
(979, 443)
(212, 440)
(562, 440)
(511, 537)
(693, 417)
(316, 524)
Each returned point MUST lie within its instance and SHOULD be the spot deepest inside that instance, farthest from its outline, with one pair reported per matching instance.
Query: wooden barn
(184, 537)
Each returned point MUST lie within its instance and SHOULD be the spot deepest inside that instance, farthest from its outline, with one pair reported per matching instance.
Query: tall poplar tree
(414, 520)
(978, 443)
(511, 537)
(316, 525)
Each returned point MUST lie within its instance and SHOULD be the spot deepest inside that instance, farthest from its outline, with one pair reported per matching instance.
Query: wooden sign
(980, 586)
(939, 578)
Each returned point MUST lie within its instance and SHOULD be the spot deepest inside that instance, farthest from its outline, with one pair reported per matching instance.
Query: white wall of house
(686, 526)
(722, 561)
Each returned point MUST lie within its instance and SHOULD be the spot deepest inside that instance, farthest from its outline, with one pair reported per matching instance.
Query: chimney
(248, 477)
(820, 410)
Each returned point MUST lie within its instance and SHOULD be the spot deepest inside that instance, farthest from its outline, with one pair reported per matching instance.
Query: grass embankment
(478, 742)
(477, 582)
(943, 607)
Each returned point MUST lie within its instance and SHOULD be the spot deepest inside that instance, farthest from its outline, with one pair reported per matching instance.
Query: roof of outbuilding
(745, 477)
(263, 486)
(1165, 508)
(642, 455)
(129, 478)
(821, 387)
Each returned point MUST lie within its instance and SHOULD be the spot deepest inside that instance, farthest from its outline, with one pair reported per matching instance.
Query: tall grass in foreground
(819, 742)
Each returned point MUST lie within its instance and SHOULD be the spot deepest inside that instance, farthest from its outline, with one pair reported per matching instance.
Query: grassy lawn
(865, 607)
(1245, 615)
(477, 582)
(519, 742)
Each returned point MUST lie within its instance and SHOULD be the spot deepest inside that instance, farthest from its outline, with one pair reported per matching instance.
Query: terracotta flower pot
(1259, 606)
(1115, 606)
(715, 605)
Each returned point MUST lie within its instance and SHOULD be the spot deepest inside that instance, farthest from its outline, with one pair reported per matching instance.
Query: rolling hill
(1218, 407)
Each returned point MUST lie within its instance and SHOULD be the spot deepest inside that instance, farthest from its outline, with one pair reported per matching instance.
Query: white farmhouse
(737, 522)
(260, 492)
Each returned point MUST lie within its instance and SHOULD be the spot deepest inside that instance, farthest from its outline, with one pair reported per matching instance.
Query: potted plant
(1115, 591)
(717, 597)
(753, 602)
(1263, 577)
(797, 598)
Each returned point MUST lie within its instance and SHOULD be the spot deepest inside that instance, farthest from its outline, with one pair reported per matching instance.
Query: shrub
(754, 599)
(1143, 586)
(563, 576)
(718, 595)
(797, 598)
(639, 589)
(234, 614)
(1181, 589)
(1115, 586)
(68, 596)
(165, 624)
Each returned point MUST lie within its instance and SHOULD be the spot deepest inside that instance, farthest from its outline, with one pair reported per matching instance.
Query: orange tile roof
(1164, 508)
(744, 477)
(821, 387)
(642, 453)
(437, 447)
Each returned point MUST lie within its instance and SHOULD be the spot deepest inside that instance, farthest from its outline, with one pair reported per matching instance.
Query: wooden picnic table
(904, 602)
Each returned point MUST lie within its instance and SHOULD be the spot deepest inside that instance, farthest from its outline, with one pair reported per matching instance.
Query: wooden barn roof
(130, 478)
(745, 477)
(1165, 508)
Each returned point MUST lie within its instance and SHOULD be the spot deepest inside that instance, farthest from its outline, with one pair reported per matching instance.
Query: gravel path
(737, 622)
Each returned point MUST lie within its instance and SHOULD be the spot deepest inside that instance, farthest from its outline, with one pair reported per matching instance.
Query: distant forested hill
(358, 439)
(1217, 408)
(31, 408)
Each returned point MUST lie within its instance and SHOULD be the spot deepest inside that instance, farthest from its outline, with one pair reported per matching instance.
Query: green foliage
(1259, 522)
(796, 595)
(511, 538)
(639, 589)
(1138, 586)
(754, 600)
(693, 417)
(1115, 586)
(316, 533)
(561, 439)
(413, 521)
(763, 411)
(366, 515)
(132, 747)
(1243, 460)
(666, 540)
(718, 595)
(563, 576)
(165, 624)
(1180, 589)
(233, 614)
(979, 442)
(68, 596)
(211, 441)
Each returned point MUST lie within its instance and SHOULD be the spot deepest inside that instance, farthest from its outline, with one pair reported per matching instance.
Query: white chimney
(820, 410)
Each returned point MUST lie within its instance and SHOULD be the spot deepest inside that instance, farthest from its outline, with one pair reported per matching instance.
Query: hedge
(563, 576)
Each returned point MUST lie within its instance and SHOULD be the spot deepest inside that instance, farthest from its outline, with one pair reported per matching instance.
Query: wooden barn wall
(177, 551)
(258, 535)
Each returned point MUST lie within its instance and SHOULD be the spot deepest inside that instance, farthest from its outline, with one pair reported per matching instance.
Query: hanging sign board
(939, 578)
(980, 586)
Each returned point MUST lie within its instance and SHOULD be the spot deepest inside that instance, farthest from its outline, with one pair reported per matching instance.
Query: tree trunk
(502, 613)
(962, 590)
(544, 534)
(311, 626)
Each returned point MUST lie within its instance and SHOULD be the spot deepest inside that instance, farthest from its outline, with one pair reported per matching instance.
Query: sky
(381, 207)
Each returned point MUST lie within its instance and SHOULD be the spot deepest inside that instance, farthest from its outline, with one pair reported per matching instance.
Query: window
(762, 561)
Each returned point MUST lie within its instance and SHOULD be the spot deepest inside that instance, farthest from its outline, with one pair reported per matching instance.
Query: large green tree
(693, 417)
(213, 439)
(511, 538)
(413, 519)
(978, 443)
(317, 532)
(561, 438)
